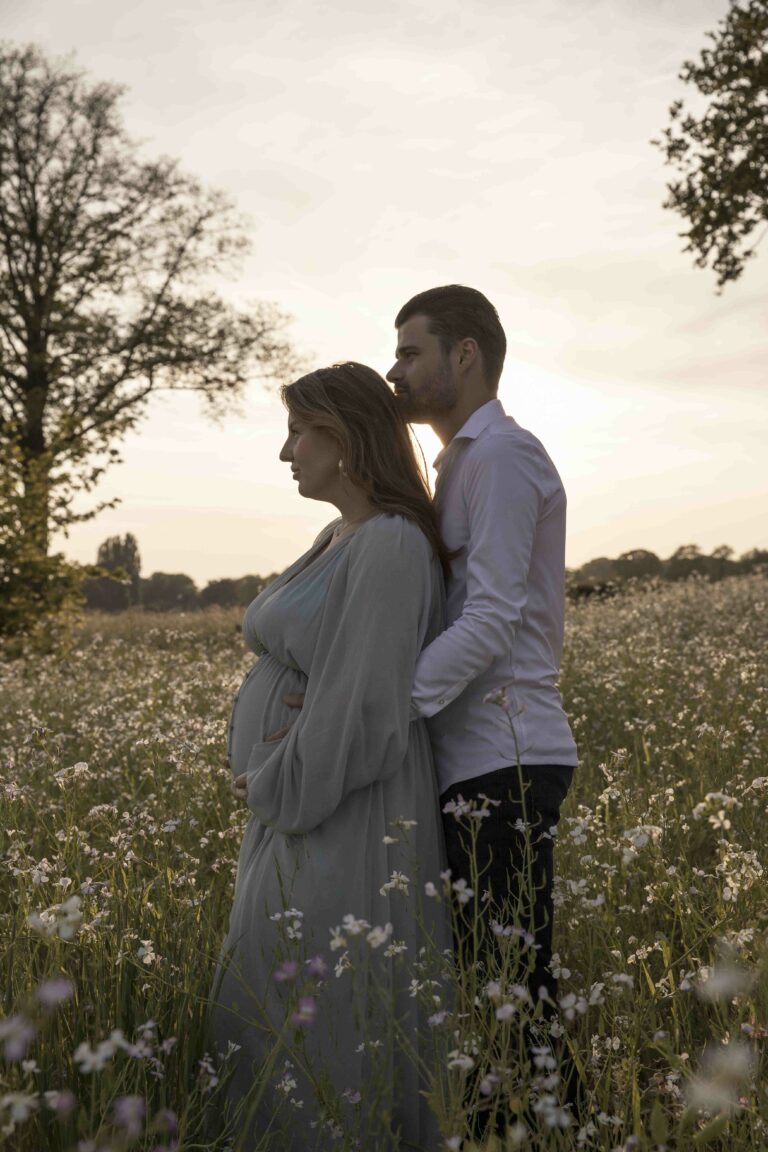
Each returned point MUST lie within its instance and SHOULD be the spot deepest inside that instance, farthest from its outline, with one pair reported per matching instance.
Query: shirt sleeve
(503, 488)
(354, 726)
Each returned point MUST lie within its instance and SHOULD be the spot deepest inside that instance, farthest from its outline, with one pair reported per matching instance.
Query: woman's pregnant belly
(259, 709)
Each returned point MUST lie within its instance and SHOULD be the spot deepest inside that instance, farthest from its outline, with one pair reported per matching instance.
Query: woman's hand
(239, 785)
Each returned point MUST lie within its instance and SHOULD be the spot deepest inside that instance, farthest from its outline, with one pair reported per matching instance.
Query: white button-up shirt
(499, 499)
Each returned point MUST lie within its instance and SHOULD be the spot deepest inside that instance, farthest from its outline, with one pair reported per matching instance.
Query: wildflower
(77, 771)
(207, 1075)
(438, 1018)
(463, 892)
(146, 952)
(398, 882)
(96, 1059)
(353, 926)
(453, 1143)
(305, 1016)
(352, 1095)
(406, 825)
(287, 971)
(54, 991)
(129, 1113)
(505, 1012)
(61, 919)
(723, 982)
(288, 1082)
(395, 948)
(343, 964)
(457, 808)
(461, 1060)
(499, 698)
(16, 1035)
(21, 1105)
(317, 967)
(429, 889)
(338, 939)
(723, 1070)
(378, 936)
(62, 1103)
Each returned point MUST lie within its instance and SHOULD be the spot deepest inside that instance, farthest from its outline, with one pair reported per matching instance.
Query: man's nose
(394, 373)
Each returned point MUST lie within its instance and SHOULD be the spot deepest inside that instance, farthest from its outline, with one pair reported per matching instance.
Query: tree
(106, 292)
(638, 563)
(167, 592)
(118, 555)
(121, 554)
(222, 593)
(722, 154)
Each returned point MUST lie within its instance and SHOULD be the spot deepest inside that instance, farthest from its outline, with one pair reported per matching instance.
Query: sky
(378, 150)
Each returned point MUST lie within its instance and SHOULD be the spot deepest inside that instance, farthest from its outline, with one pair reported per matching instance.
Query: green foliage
(167, 592)
(108, 265)
(39, 593)
(722, 153)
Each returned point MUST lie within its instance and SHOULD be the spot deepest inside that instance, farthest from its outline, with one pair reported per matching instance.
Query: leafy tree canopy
(721, 152)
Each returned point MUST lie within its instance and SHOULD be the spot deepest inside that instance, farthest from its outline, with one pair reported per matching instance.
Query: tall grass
(118, 838)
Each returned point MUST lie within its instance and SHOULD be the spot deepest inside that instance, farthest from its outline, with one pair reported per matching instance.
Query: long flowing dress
(344, 834)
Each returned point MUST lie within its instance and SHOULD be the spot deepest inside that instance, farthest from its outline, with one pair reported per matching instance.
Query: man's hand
(240, 787)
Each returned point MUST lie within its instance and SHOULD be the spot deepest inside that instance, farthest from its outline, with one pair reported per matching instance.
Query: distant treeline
(120, 584)
(605, 575)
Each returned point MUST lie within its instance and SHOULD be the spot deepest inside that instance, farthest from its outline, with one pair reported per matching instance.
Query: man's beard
(432, 402)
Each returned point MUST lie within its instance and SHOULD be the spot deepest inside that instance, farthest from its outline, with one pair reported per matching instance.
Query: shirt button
(441, 700)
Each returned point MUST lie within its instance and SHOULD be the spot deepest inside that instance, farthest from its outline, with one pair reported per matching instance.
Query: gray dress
(330, 804)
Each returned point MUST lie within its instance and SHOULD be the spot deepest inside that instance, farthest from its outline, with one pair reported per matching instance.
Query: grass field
(118, 838)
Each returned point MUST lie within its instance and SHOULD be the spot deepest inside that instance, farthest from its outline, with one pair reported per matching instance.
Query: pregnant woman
(345, 817)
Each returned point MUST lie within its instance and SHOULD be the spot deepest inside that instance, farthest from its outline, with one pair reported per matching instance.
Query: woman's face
(314, 456)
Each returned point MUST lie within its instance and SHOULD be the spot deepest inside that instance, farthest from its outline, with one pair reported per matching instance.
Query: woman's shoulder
(392, 532)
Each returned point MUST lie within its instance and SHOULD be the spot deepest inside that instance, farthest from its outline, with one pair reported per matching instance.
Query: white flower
(60, 919)
(353, 926)
(146, 953)
(723, 982)
(96, 1059)
(21, 1106)
(505, 1011)
(457, 1059)
(463, 892)
(378, 936)
(398, 882)
(723, 1071)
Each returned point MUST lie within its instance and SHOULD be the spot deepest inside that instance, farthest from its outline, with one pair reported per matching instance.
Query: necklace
(342, 529)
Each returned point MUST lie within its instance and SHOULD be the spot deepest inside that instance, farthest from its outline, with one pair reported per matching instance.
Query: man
(488, 684)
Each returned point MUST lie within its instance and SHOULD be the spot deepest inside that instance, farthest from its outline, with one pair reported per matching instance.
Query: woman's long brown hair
(356, 406)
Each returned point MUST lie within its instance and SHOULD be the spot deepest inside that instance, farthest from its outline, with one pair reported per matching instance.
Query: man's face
(422, 374)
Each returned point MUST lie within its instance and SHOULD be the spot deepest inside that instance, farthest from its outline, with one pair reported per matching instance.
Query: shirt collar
(471, 429)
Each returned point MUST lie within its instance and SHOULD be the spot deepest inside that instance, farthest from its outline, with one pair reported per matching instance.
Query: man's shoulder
(506, 441)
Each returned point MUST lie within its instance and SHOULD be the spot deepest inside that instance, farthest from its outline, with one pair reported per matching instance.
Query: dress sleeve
(354, 725)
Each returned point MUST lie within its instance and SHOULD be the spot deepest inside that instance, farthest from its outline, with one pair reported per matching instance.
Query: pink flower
(53, 992)
(305, 1017)
(287, 972)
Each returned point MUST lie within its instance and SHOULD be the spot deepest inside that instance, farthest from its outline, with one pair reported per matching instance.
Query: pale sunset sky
(383, 149)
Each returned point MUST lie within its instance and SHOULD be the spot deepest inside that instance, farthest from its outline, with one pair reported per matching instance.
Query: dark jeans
(514, 861)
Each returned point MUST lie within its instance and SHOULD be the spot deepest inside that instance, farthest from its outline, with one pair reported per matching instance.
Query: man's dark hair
(455, 312)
